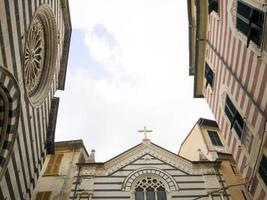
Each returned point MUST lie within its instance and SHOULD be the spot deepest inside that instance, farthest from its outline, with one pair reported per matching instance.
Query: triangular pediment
(150, 155)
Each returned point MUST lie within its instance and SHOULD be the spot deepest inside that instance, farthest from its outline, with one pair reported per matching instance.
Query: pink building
(228, 59)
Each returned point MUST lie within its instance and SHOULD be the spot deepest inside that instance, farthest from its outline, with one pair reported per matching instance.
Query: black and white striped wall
(116, 178)
(24, 126)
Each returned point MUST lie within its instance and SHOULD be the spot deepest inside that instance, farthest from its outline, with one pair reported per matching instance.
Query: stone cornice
(133, 154)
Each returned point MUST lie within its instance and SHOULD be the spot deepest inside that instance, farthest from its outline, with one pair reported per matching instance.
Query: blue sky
(79, 57)
(128, 68)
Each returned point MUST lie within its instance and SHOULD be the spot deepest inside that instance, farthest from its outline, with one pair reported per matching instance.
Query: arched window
(150, 188)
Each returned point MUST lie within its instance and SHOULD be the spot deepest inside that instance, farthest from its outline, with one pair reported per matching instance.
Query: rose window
(40, 55)
(34, 56)
(150, 188)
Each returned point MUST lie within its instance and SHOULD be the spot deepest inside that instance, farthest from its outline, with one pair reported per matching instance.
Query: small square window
(263, 169)
(209, 75)
(215, 139)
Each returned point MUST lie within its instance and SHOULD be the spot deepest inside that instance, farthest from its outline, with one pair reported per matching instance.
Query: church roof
(66, 44)
(154, 150)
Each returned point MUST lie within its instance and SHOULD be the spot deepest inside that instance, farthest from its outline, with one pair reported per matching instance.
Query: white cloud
(147, 58)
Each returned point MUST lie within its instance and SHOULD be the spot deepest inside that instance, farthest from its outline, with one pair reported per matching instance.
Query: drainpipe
(65, 176)
(77, 180)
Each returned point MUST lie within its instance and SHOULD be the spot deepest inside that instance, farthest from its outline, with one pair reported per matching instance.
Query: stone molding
(40, 55)
(9, 116)
(128, 183)
(148, 148)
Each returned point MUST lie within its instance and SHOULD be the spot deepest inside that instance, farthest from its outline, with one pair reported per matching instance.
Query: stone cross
(145, 131)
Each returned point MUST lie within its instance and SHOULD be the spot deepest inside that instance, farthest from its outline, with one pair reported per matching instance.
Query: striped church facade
(148, 168)
(34, 44)
(228, 58)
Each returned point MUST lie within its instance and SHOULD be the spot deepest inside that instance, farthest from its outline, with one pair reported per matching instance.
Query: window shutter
(53, 164)
(237, 122)
(209, 75)
(250, 22)
(39, 196)
(263, 169)
(57, 163)
(43, 195)
(243, 9)
(47, 195)
(50, 165)
(213, 6)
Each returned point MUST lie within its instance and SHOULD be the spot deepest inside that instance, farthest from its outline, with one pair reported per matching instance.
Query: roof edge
(66, 45)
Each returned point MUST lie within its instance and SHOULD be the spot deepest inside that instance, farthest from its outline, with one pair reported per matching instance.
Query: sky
(128, 68)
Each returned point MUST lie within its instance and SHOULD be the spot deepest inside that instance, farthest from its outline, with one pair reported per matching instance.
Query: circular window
(40, 55)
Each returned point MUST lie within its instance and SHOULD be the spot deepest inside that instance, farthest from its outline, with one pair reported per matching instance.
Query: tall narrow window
(263, 169)
(235, 118)
(150, 188)
(215, 139)
(139, 193)
(250, 22)
(150, 193)
(161, 194)
(209, 75)
(214, 5)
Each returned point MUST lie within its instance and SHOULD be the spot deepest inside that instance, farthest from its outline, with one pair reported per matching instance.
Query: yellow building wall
(231, 179)
(193, 142)
(60, 184)
(198, 138)
(210, 146)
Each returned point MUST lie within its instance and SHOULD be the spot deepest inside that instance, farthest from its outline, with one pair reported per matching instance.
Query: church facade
(148, 172)
(34, 44)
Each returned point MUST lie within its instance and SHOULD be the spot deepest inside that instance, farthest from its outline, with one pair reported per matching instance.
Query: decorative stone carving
(233, 11)
(140, 151)
(223, 98)
(247, 138)
(151, 172)
(155, 151)
(149, 181)
(40, 55)
(34, 56)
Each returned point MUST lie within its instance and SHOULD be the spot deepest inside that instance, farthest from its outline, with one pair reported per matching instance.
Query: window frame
(215, 138)
(215, 3)
(237, 122)
(263, 169)
(209, 76)
(149, 188)
(249, 23)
